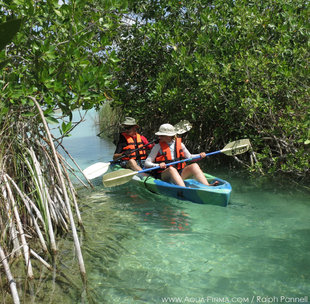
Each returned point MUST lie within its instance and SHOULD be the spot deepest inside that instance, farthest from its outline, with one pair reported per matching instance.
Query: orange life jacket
(134, 143)
(164, 154)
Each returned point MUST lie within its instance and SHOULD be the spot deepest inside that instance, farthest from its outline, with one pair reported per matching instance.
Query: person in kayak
(170, 148)
(130, 140)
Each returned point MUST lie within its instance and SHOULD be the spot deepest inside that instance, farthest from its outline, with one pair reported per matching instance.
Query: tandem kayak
(194, 191)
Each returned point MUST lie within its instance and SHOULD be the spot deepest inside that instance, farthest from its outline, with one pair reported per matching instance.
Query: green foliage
(7, 32)
(61, 55)
(109, 121)
(66, 127)
(233, 68)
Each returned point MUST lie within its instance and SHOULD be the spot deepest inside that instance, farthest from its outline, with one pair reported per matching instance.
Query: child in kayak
(170, 148)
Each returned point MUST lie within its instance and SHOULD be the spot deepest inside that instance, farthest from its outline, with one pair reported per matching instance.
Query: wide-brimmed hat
(129, 121)
(166, 130)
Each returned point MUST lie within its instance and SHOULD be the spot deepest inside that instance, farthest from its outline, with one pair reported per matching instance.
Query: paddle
(100, 168)
(120, 177)
(182, 127)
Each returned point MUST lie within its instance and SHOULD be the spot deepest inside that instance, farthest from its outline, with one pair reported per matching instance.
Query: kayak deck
(194, 191)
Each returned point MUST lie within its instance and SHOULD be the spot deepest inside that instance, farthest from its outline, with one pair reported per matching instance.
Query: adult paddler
(170, 149)
(130, 140)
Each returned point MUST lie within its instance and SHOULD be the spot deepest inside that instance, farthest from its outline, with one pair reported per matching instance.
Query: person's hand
(128, 152)
(203, 154)
(162, 165)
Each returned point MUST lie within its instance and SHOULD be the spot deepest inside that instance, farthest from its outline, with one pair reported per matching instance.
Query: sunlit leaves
(65, 128)
(60, 53)
(233, 68)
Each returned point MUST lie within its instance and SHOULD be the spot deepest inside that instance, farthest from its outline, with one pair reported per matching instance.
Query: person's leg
(132, 164)
(194, 171)
(171, 174)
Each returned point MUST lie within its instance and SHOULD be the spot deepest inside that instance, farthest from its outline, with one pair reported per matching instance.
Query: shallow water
(259, 245)
(140, 247)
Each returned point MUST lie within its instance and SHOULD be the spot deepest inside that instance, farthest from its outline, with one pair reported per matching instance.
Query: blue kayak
(194, 191)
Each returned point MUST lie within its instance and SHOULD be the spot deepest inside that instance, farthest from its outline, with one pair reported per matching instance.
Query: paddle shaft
(128, 175)
(189, 159)
(135, 150)
(123, 176)
(179, 161)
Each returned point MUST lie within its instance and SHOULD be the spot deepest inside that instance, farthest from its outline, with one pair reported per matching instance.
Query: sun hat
(166, 129)
(129, 121)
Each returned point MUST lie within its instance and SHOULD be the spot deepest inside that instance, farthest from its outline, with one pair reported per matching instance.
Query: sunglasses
(128, 127)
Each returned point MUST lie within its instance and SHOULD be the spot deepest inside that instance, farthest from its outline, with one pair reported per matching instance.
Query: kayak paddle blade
(182, 127)
(118, 178)
(96, 170)
(237, 147)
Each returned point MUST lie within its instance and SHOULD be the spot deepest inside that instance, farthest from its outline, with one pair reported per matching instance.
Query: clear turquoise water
(144, 248)
(259, 245)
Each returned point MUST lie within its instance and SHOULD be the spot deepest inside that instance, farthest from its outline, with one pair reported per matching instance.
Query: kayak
(194, 191)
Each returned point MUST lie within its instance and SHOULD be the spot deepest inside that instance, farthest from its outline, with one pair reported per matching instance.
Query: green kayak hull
(194, 191)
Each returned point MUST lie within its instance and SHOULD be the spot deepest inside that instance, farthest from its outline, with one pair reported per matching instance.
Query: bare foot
(215, 183)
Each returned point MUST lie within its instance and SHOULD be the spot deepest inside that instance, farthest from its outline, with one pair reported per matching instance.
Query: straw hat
(167, 130)
(129, 121)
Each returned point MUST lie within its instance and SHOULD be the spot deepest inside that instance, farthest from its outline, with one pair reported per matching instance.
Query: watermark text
(237, 300)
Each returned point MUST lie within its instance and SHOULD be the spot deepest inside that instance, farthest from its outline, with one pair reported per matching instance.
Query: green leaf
(4, 63)
(66, 127)
(28, 114)
(8, 31)
(51, 120)
(58, 12)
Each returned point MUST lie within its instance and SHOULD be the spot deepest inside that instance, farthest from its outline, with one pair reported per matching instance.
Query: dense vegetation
(58, 60)
(234, 69)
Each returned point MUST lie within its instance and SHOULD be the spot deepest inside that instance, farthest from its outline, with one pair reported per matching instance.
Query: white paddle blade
(96, 170)
(237, 147)
(117, 178)
(182, 127)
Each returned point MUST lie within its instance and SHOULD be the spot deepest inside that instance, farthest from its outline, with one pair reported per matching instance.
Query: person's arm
(150, 161)
(189, 155)
(117, 156)
(145, 142)
(119, 148)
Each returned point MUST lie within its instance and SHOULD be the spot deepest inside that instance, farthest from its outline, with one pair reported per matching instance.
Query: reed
(109, 119)
(37, 197)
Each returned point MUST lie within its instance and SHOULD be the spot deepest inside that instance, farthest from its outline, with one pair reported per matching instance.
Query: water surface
(144, 248)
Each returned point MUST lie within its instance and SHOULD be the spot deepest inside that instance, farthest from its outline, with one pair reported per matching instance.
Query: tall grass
(109, 119)
(36, 194)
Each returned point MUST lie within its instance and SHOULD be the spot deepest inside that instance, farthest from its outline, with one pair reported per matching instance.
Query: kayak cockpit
(192, 183)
